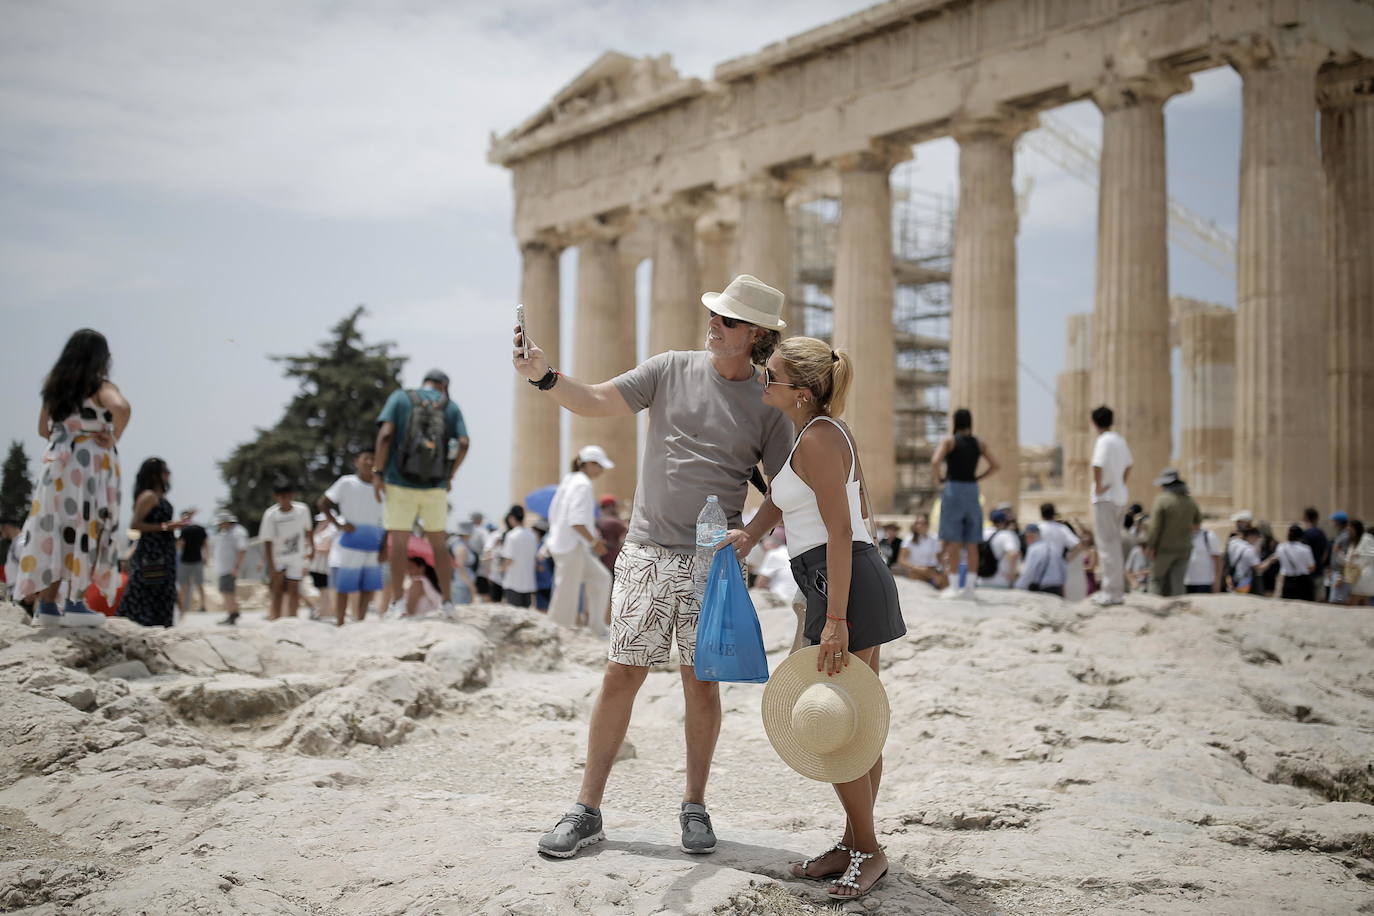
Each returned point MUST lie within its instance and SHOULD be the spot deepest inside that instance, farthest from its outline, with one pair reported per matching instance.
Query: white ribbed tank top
(801, 516)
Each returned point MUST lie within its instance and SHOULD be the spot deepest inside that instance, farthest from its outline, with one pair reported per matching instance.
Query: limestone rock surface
(1209, 755)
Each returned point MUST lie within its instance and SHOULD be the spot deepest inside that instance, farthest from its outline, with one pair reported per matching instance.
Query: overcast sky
(211, 183)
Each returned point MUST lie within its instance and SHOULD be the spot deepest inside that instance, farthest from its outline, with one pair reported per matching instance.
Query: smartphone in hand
(524, 337)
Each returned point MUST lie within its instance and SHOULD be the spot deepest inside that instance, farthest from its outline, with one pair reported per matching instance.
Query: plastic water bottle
(710, 532)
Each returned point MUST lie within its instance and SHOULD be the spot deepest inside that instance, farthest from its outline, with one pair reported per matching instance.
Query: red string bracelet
(845, 619)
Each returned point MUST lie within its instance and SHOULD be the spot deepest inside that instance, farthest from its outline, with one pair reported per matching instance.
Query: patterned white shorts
(652, 602)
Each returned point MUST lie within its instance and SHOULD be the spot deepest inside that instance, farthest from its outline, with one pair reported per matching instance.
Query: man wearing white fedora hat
(708, 431)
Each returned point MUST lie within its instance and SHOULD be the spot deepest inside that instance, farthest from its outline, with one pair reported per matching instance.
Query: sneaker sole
(581, 844)
(47, 620)
(696, 852)
(82, 620)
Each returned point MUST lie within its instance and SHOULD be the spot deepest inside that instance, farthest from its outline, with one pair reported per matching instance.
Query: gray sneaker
(697, 836)
(580, 827)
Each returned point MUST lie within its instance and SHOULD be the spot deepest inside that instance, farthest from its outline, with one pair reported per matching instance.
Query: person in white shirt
(323, 539)
(1058, 535)
(1044, 570)
(228, 545)
(517, 560)
(920, 556)
(1242, 554)
(1204, 563)
(491, 560)
(1296, 565)
(775, 571)
(1138, 567)
(355, 557)
(287, 547)
(575, 545)
(1111, 463)
(1006, 547)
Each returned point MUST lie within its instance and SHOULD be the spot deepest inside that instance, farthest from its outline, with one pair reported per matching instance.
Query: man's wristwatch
(547, 381)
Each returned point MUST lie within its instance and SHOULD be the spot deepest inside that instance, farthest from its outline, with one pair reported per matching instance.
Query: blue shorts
(353, 561)
(961, 517)
(348, 580)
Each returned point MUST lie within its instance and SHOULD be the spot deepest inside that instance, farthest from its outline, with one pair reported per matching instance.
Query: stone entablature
(627, 130)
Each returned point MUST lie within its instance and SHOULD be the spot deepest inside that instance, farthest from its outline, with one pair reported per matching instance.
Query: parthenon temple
(783, 165)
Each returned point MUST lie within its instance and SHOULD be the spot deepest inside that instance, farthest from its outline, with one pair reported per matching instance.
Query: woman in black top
(152, 593)
(955, 463)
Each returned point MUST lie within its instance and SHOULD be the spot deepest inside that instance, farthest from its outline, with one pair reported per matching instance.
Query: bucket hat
(831, 729)
(748, 299)
(1166, 477)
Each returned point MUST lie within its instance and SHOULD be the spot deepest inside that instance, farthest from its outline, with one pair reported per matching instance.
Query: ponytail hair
(826, 373)
(576, 464)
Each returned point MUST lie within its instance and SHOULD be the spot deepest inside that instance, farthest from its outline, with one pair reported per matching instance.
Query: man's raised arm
(599, 400)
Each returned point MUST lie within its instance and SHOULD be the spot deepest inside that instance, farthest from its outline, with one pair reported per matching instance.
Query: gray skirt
(875, 616)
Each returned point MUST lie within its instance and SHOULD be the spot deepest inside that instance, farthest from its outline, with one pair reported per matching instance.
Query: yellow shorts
(403, 504)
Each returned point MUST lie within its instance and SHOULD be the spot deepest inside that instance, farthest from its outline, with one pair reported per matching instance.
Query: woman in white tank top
(851, 599)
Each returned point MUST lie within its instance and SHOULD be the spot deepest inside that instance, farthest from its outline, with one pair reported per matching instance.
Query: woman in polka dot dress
(70, 533)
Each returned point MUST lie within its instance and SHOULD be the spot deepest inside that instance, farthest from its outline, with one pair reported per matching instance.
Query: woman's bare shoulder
(109, 395)
(823, 441)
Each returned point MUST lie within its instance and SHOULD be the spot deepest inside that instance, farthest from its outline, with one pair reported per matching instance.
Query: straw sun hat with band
(830, 728)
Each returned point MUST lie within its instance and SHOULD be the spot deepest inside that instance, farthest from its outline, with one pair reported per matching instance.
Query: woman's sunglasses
(730, 323)
(769, 380)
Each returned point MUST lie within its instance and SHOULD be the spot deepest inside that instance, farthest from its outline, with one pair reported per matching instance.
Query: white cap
(1243, 515)
(595, 453)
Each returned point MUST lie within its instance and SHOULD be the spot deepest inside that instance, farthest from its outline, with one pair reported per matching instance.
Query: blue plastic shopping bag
(729, 640)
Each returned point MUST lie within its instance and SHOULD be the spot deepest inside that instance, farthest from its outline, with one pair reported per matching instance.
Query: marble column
(676, 315)
(1282, 315)
(535, 459)
(863, 295)
(1073, 404)
(604, 347)
(1131, 357)
(1207, 344)
(716, 257)
(1346, 96)
(765, 241)
(982, 358)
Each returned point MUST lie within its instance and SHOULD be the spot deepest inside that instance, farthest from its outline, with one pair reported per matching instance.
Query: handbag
(1352, 572)
(729, 639)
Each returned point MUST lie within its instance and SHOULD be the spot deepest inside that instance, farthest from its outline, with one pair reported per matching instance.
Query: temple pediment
(611, 79)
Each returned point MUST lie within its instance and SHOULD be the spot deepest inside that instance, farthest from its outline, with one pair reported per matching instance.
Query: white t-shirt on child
(520, 546)
(286, 531)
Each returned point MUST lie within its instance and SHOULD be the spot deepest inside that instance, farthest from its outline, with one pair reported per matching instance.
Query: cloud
(339, 110)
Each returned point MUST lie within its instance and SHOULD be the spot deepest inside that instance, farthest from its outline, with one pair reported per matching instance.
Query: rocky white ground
(1202, 756)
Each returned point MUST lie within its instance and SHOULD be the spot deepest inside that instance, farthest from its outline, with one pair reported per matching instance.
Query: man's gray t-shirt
(705, 435)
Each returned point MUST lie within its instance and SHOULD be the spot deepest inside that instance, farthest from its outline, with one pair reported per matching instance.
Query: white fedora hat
(595, 453)
(748, 299)
(830, 729)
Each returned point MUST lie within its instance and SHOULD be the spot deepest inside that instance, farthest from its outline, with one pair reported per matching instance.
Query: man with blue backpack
(421, 443)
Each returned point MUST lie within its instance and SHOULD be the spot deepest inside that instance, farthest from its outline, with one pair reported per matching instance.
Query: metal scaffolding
(922, 246)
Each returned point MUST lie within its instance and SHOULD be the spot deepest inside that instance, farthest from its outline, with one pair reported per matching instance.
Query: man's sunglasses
(769, 380)
(730, 323)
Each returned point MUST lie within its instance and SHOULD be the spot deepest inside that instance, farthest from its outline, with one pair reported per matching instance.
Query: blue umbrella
(539, 500)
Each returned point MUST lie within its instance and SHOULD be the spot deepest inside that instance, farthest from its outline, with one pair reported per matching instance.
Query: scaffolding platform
(923, 245)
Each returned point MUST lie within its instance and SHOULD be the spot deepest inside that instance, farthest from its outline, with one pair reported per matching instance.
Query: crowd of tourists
(1168, 550)
(748, 399)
